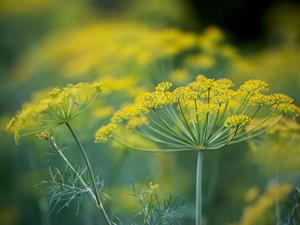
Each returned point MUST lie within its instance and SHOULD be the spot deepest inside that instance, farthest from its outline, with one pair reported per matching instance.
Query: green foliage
(157, 211)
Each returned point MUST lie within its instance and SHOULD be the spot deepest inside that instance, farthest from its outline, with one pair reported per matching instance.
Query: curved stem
(76, 173)
(88, 164)
(199, 188)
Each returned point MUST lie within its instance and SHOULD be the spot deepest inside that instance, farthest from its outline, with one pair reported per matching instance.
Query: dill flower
(204, 115)
(237, 120)
(163, 86)
(106, 132)
(254, 86)
(50, 109)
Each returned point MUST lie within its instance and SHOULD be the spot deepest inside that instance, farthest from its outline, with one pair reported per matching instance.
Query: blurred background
(131, 45)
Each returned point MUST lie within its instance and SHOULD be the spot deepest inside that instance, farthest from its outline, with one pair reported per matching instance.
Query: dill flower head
(206, 114)
(50, 109)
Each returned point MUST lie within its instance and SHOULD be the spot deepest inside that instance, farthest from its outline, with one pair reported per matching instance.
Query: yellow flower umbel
(204, 115)
(50, 109)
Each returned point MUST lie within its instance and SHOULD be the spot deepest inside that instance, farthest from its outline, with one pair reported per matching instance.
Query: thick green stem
(199, 188)
(91, 173)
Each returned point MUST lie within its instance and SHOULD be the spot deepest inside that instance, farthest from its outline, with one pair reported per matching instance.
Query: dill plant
(44, 116)
(157, 210)
(205, 115)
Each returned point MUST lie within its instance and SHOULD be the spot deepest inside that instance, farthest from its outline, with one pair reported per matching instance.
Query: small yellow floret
(237, 120)
(163, 86)
(184, 93)
(254, 86)
(280, 98)
(126, 113)
(202, 83)
(287, 108)
(106, 132)
(146, 100)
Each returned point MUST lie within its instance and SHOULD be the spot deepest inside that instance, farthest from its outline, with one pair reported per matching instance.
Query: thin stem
(197, 118)
(178, 121)
(88, 164)
(199, 188)
(169, 137)
(186, 122)
(212, 128)
(204, 135)
(76, 173)
(164, 125)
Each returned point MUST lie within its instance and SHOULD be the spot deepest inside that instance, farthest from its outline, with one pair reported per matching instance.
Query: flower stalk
(91, 173)
(199, 188)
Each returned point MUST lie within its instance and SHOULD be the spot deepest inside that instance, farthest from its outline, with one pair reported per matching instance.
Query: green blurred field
(130, 47)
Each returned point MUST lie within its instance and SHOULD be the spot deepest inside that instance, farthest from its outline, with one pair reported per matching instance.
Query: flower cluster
(106, 131)
(205, 114)
(50, 109)
(237, 120)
